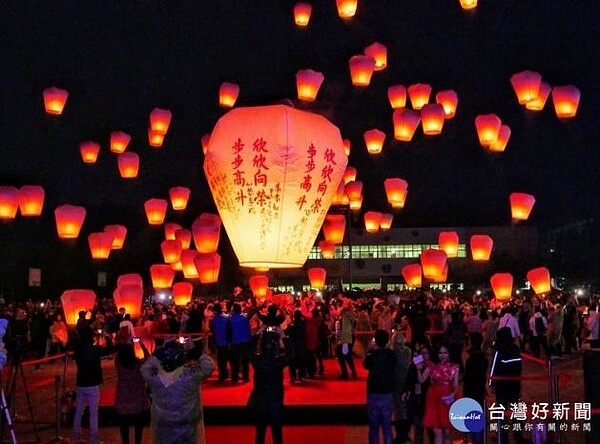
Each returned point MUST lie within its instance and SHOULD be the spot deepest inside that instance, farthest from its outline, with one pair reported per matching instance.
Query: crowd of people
(416, 346)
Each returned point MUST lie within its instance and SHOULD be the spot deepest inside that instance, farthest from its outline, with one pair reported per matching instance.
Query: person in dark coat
(475, 378)
(296, 342)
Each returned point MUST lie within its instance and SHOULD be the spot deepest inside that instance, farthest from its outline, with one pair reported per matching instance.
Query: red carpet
(291, 435)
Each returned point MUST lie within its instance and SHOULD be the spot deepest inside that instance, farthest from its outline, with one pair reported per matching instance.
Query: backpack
(540, 327)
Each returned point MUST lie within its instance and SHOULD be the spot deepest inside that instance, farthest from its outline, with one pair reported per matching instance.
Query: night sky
(121, 59)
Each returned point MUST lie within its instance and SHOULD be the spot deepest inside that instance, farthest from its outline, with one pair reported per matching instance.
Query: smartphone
(182, 339)
(418, 360)
(135, 339)
(270, 328)
(99, 331)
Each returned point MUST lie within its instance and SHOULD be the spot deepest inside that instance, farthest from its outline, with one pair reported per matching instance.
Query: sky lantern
(170, 229)
(118, 233)
(134, 279)
(521, 205)
(188, 265)
(89, 151)
(396, 190)
(129, 297)
(397, 96)
(171, 250)
(386, 221)
(419, 95)
(182, 293)
(317, 277)
(500, 144)
(259, 284)
(119, 141)
(355, 204)
(349, 174)
(361, 69)
(526, 85)
(208, 265)
(162, 275)
(488, 128)
(308, 83)
(379, 53)
(156, 209)
(468, 4)
(155, 138)
(69, 219)
(354, 189)
(160, 119)
(539, 102)
(206, 231)
(566, 101)
(74, 301)
(372, 221)
(55, 100)
(129, 165)
(432, 118)
(204, 142)
(302, 14)
(448, 242)
(179, 197)
(327, 249)
(334, 228)
(228, 94)
(502, 284)
(412, 275)
(100, 245)
(374, 140)
(177, 266)
(347, 146)
(481, 247)
(9, 202)
(406, 122)
(449, 100)
(539, 278)
(266, 148)
(184, 236)
(340, 197)
(31, 200)
(346, 8)
(433, 263)
(443, 277)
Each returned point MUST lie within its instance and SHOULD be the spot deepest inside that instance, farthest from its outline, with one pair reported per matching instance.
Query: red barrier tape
(46, 359)
(534, 359)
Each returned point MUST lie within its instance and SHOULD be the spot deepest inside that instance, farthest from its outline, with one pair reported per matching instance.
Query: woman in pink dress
(441, 393)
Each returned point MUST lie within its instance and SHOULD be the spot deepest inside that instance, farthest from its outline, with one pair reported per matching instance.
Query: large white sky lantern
(273, 172)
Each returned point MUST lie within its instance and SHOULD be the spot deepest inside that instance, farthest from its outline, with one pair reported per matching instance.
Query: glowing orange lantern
(449, 100)
(397, 96)
(566, 101)
(488, 128)
(372, 221)
(228, 94)
(279, 141)
(156, 210)
(419, 95)
(74, 301)
(347, 146)
(448, 241)
(340, 197)
(500, 144)
(155, 138)
(69, 219)
(177, 266)
(539, 278)
(129, 297)
(162, 275)
(334, 228)
(361, 69)
(406, 122)
(55, 100)
(355, 204)
(9, 202)
(354, 189)
(100, 245)
(539, 102)
(188, 265)
(379, 54)
(302, 14)
(208, 265)
(349, 174)
(31, 200)
(317, 276)
(119, 141)
(179, 197)
(346, 8)
(259, 284)
(184, 237)
(386, 221)
(204, 142)
(502, 284)
(89, 151)
(396, 190)
(182, 293)
(526, 85)
(327, 249)
(160, 119)
(129, 164)
(432, 119)
(206, 231)
(412, 275)
(170, 229)
(308, 83)
(443, 277)
(146, 339)
(521, 205)
(118, 233)
(468, 4)
(433, 263)
(171, 250)
(133, 279)
(374, 140)
(481, 247)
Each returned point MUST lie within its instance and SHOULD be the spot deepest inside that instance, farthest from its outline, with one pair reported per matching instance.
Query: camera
(135, 339)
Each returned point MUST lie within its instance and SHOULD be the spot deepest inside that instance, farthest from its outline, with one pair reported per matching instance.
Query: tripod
(6, 412)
